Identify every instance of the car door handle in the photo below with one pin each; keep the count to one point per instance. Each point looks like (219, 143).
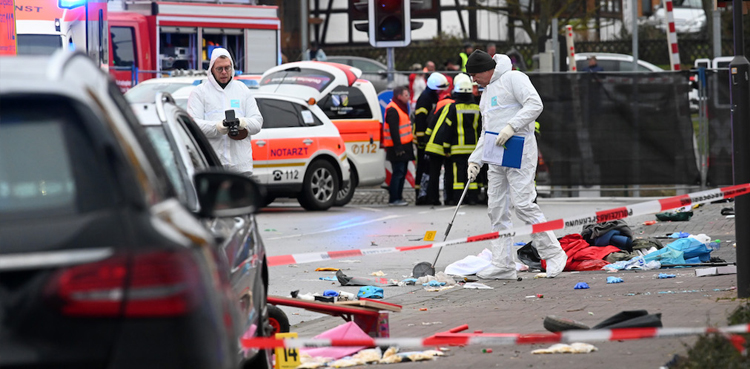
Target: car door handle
(308, 141)
(260, 143)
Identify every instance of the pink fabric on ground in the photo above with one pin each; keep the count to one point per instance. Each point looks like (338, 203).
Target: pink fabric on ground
(348, 330)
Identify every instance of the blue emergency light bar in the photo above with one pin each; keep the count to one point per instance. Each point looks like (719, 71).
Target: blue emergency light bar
(70, 4)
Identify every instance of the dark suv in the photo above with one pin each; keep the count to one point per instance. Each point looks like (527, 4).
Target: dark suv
(101, 266)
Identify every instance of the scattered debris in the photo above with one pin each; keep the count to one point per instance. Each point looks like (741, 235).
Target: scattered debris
(729, 269)
(611, 280)
(477, 285)
(581, 286)
(573, 348)
(540, 275)
(326, 269)
(379, 273)
(665, 276)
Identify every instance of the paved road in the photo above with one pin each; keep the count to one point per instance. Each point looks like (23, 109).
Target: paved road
(685, 301)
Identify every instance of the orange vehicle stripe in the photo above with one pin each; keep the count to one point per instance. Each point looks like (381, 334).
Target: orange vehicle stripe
(279, 165)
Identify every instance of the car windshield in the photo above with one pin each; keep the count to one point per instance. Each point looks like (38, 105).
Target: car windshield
(38, 44)
(313, 78)
(146, 92)
(159, 139)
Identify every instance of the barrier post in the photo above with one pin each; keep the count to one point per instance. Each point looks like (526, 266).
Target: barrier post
(739, 85)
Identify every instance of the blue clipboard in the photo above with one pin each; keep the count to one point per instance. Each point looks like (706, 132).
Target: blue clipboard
(508, 156)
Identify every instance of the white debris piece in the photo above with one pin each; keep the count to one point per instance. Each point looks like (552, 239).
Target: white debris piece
(573, 348)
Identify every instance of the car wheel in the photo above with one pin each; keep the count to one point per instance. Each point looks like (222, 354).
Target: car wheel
(278, 320)
(320, 186)
(346, 193)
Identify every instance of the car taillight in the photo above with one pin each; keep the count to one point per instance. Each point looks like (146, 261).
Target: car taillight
(144, 285)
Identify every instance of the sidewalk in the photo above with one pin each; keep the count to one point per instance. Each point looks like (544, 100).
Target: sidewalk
(512, 307)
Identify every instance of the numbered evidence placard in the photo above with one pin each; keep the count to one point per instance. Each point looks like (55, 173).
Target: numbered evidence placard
(286, 358)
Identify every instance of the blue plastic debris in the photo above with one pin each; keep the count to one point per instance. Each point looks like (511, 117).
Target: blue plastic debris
(679, 235)
(519, 244)
(330, 293)
(409, 281)
(370, 292)
(581, 286)
(664, 276)
(614, 280)
(328, 279)
(434, 283)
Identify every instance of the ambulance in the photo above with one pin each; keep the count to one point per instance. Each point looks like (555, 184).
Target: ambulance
(349, 102)
(154, 38)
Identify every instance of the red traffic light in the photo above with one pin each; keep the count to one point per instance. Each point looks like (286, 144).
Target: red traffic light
(389, 23)
(389, 6)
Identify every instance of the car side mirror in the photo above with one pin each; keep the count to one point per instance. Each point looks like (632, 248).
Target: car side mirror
(226, 194)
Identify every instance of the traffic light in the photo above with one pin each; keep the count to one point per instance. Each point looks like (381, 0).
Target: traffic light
(389, 23)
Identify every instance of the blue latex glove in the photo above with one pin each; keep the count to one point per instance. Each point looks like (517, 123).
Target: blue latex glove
(664, 276)
(679, 235)
(330, 293)
(614, 280)
(409, 281)
(434, 283)
(581, 286)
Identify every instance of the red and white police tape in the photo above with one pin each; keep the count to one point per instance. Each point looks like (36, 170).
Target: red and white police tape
(643, 208)
(496, 339)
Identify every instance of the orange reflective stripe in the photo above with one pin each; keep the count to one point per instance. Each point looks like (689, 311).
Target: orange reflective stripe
(442, 103)
(404, 127)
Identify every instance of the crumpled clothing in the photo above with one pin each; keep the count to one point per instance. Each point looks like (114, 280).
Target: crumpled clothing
(581, 255)
(637, 262)
(592, 231)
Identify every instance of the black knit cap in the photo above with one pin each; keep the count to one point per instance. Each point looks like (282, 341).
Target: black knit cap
(479, 61)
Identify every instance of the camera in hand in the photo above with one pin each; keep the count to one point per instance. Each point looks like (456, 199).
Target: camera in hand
(231, 122)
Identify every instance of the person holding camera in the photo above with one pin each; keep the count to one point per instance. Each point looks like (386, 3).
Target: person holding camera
(215, 103)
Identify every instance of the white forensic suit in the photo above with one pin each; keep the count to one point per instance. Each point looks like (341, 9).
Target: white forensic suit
(511, 99)
(206, 106)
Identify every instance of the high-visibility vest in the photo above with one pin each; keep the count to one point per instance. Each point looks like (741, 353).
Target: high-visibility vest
(404, 127)
(464, 59)
(467, 129)
(436, 143)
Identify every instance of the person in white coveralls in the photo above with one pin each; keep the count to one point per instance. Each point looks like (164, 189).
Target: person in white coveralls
(207, 105)
(509, 105)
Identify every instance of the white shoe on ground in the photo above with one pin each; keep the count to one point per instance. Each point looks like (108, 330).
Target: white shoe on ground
(494, 272)
(556, 264)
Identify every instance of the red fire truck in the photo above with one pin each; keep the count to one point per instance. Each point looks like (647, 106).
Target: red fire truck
(153, 38)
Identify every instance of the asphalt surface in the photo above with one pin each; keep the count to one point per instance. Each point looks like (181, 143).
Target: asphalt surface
(684, 301)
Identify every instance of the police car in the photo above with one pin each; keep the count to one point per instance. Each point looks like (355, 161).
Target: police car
(349, 102)
(299, 153)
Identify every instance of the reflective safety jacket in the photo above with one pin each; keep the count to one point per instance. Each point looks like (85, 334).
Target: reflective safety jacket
(404, 127)
(422, 112)
(460, 126)
(436, 130)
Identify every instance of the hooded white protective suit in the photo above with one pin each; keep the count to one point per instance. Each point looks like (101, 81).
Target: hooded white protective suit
(511, 99)
(206, 106)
